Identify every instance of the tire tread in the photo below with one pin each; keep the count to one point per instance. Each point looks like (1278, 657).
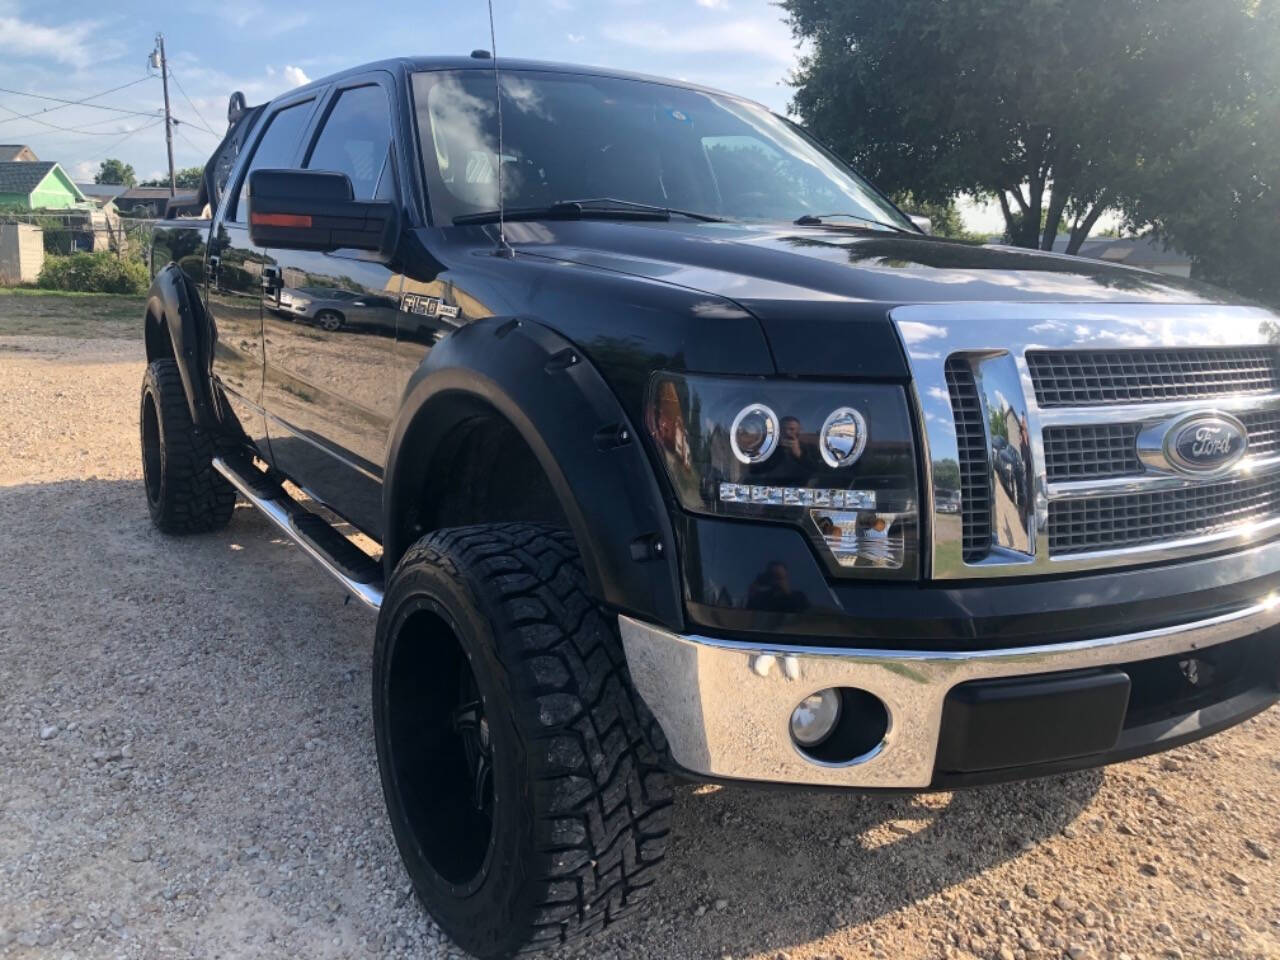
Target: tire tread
(603, 801)
(194, 497)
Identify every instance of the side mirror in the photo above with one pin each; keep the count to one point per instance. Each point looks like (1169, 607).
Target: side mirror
(923, 224)
(316, 210)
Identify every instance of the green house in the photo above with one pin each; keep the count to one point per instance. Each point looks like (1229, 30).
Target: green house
(39, 185)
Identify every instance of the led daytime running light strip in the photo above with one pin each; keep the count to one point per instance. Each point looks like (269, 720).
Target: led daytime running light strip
(797, 496)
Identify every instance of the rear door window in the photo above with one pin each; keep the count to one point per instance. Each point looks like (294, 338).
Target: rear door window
(356, 140)
(276, 149)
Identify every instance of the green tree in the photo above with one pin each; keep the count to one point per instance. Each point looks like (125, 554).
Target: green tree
(112, 170)
(1217, 197)
(944, 218)
(1057, 108)
(946, 474)
(187, 178)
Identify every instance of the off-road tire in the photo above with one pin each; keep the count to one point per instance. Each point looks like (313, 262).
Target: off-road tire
(581, 807)
(184, 493)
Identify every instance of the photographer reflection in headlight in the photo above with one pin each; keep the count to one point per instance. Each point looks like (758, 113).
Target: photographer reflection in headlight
(771, 591)
(789, 438)
(793, 457)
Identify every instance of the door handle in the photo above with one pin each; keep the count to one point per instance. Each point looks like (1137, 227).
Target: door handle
(271, 278)
(211, 270)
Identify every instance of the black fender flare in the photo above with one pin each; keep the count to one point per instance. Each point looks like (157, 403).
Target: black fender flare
(175, 301)
(561, 406)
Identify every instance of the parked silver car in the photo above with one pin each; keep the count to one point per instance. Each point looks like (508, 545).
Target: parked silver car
(331, 309)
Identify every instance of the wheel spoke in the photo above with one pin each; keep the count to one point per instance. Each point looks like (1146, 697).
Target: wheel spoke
(469, 723)
(466, 719)
(483, 776)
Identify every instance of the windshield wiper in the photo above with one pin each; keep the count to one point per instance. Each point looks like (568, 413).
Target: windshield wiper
(605, 207)
(812, 220)
(605, 203)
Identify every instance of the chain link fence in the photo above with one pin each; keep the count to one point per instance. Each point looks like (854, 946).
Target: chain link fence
(86, 231)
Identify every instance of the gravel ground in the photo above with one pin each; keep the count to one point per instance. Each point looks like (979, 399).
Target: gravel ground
(187, 766)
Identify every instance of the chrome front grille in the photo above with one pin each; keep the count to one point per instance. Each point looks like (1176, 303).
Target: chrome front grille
(975, 475)
(1072, 378)
(1091, 451)
(1136, 519)
(1099, 451)
(1264, 432)
(1065, 424)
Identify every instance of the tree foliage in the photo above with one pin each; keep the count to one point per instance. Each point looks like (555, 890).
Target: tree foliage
(187, 178)
(944, 218)
(1217, 197)
(1060, 109)
(116, 171)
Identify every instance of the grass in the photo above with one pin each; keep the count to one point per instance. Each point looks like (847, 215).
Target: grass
(27, 311)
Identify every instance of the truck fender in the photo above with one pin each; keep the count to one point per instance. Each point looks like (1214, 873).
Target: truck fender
(586, 445)
(174, 308)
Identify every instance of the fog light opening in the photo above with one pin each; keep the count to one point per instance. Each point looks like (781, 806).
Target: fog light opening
(815, 717)
(840, 726)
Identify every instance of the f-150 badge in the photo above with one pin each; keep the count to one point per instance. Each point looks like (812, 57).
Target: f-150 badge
(425, 306)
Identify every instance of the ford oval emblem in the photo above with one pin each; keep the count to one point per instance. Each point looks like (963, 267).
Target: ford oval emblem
(1206, 443)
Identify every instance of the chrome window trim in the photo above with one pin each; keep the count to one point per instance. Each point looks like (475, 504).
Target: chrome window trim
(1001, 333)
(725, 705)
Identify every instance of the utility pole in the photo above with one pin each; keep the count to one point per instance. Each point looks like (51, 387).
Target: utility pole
(158, 55)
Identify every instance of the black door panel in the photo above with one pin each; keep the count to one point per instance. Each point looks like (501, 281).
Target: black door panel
(234, 271)
(329, 325)
(236, 275)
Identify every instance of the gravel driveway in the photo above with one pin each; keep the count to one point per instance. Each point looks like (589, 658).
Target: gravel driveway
(187, 769)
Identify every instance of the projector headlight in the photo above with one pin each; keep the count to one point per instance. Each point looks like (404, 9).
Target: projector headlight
(754, 434)
(836, 459)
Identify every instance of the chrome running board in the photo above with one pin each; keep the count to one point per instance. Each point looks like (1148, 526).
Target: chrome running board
(359, 574)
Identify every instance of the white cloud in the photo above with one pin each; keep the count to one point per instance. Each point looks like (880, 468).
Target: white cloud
(714, 4)
(913, 331)
(66, 43)
(766, 38)
(265, 20)
(295, 76)
(575, 37)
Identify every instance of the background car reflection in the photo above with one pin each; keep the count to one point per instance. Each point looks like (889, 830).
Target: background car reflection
(331, 308)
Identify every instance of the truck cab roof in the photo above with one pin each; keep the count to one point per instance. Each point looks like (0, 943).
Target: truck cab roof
(415, 64)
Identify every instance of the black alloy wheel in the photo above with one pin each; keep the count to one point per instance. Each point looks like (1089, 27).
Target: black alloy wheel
(518, 763)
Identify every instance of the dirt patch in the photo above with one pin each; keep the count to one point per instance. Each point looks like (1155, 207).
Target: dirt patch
(71, 316)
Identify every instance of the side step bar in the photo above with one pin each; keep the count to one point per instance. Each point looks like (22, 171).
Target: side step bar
(359, 574)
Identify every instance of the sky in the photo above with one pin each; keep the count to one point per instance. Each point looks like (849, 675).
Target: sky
(76, 49)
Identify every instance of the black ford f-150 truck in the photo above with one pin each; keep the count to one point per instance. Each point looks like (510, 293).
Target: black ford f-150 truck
(688, 454)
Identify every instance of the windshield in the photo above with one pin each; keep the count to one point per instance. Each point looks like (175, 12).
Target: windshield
(577, 137)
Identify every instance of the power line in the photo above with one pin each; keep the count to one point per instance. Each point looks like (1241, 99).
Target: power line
(69, 103)
(145, 126)
(54, 126)
(189, 143)
(207, 125)
(77, 103)
(196, 127)
(91, 123)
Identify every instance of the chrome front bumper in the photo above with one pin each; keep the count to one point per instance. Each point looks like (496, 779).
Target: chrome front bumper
(725, 706)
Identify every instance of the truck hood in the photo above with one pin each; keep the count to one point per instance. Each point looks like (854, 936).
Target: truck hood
(760, 262)
(832, 286)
